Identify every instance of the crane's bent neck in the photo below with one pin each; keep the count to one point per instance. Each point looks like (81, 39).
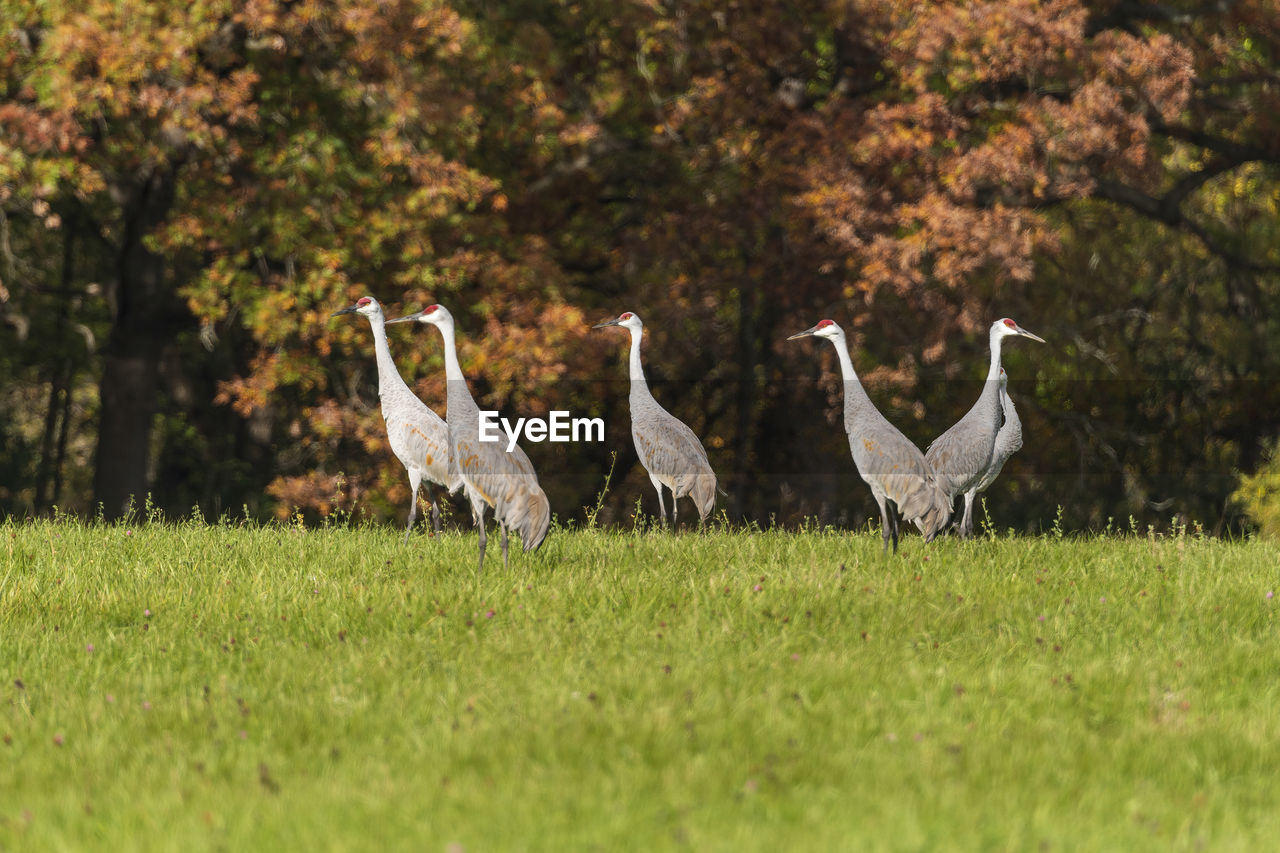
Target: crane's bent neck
(389, 379)
(637, 372)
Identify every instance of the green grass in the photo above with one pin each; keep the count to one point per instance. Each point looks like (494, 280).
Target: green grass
(336, 689)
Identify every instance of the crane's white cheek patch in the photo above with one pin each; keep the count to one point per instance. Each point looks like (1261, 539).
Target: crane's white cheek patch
(559, 427)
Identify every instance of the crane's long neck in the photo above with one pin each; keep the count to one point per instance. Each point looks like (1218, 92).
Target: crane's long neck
(993, 372)
(855, 396)
(462, 412)
(452, 370)
(637, 371)
(389, 379)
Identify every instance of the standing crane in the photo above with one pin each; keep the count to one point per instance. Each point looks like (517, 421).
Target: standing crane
(962, 455)
(886, 459)
(491, 476)
(419, 437)
(1008, 439)
(668, 449)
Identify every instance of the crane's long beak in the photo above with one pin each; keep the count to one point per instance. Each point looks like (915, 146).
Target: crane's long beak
(1027, 334)
(408, 318)
(350, 310)
(612, 322)
(806, 333)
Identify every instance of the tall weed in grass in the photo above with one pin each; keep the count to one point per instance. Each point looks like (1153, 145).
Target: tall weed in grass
(261, 687)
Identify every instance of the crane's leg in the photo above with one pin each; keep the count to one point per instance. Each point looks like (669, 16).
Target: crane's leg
(415, 480)
(893, 520)
(675, 510)
(506, 565)
(885, 525)
(662, 507)
(435, 510)
(477, 510)
(966, 524)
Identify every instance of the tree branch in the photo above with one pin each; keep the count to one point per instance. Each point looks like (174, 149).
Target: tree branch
(1237, 152)
(1167, 210)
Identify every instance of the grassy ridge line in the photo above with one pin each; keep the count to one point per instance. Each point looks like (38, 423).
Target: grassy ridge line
(338, 689)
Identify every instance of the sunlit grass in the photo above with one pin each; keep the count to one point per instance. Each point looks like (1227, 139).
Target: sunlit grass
(188, 687)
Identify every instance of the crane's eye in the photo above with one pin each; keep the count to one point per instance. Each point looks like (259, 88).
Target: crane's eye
(626, 316)
(1010, 323)
(363, 301)
(430, 309)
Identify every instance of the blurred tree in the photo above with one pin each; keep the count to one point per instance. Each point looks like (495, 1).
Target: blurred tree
(231, 173)
(241, 166)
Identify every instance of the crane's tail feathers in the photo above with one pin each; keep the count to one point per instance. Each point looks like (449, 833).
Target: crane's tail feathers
(934, 521)
(704, 495)
(522, 506)
(537, 521)
(925, 504)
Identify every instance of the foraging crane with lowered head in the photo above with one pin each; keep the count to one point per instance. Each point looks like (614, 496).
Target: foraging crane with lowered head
(961, 457)
(669, 451)
(887, 461)
(491, 476)
(419, 437)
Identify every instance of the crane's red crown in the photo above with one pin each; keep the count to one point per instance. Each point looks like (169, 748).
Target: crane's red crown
(626, 316)
(430, 309)
(824, 323)
(363, 301)
(1009, 323)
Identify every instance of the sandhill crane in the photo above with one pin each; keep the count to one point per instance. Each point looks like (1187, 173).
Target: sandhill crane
(667, 448)
(961, 456)
(419, 437)
(1008, 439)
(491, 476)
(886, 459)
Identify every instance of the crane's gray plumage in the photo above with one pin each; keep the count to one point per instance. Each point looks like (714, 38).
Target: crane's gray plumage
(888, 462)
(419, 437)
(962, 455)
(491, 476)
(667, 448)
(1008, 439)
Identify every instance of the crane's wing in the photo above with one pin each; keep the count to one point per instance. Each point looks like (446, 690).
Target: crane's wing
(508, 483)
(666, 445)
(887, 458)
(420, 439)
(960, 456)
(669, 450)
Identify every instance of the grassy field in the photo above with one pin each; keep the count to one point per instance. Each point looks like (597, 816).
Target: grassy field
(190, 687)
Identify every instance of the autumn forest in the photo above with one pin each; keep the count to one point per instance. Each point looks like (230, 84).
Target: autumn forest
(189, 191)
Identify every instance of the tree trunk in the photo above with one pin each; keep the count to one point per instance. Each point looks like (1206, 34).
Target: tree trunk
(142, 313)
